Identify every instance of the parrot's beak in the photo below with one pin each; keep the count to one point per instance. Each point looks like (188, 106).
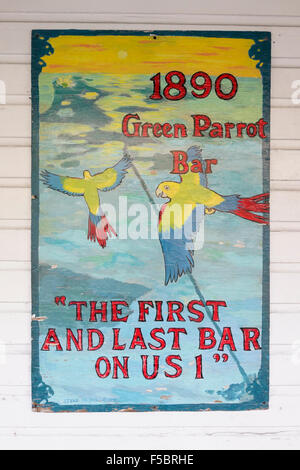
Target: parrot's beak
(160, 193)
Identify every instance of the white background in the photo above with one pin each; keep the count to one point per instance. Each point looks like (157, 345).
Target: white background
(276, 428)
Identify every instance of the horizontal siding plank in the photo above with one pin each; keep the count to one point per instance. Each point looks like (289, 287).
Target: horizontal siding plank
(18, 265)
(15, 247)
(16, 204)
(285, 164)
(276, 144)
(285, 247)
(271, 438)
(25, 224)
(15, 329)
(284, 367)
(15, 38)
(234, 7)
(285, 207)
(15, 287)
(285, 287)
(25, 308)
(15, 162)
(282, 79)
(18, 81)
(7, 182)
(15, 307)
(15, 121)
(13, 224)
(285, 123)
(16, 412)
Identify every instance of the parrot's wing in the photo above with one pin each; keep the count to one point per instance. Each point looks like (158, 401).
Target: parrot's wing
(177, 234)
(195, 153)
(111, 177)
(64, 184)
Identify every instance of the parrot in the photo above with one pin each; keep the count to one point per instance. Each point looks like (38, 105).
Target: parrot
(179, 218)
(98, 226)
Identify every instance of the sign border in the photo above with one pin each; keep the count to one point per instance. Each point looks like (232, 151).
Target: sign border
(41, 392)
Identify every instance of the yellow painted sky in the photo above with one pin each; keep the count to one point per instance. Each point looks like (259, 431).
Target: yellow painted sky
(145, 55)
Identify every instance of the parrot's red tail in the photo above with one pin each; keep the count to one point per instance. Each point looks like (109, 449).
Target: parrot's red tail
(248, 205)
(100, 229)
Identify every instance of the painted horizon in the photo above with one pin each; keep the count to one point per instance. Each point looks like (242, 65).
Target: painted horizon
(84, 83)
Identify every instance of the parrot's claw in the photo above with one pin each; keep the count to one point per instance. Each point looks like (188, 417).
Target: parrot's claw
(209, 211)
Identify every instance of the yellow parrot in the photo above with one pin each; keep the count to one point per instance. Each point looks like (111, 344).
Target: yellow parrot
(180, 217)
(98, 226)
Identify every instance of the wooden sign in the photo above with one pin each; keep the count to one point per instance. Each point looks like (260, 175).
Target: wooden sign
(150, 209)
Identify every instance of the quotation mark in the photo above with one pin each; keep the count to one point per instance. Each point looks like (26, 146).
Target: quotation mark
(217, 357)
(60, 300)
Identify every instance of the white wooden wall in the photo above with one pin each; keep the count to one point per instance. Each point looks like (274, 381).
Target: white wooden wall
(276, 428)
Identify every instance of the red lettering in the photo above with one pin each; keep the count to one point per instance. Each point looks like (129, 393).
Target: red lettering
(198, 313)
(199, 128)
(94, 311)
(176, 332)
(123, 367)
(176, 308)
(251, 335)
(209, 162)
(125, 123)
(239, 127)
(179, 159)
(78, 309)
(251, 130)
(161, 341)
(51, 340)
(166, 129)
(145, 367)
(204, 338)
(143, 310)
(181, 128)
(228, 126)
(115, 311)
(199, 374)
(216, 304)
(157, 129)
(177, 367)
(116, 344)
(107, 367)
(227, 339)
(77, 341)
(138, 339)
(216, 131)
(91, 345)
(261, 124)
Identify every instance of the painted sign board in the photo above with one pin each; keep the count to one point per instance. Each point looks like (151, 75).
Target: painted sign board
(150, 209)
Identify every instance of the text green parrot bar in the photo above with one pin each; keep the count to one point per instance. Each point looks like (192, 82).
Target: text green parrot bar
(150, 220)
